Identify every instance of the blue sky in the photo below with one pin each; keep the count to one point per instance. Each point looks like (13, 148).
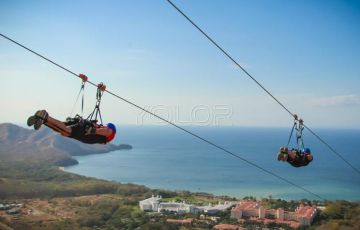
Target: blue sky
(307, 53)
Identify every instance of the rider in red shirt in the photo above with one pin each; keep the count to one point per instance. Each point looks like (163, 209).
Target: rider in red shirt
(78, 128)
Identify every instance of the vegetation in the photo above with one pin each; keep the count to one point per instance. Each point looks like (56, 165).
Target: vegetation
(279, 203)
(25, 180)
(339, 215)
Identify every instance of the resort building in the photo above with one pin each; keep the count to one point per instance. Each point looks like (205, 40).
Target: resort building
(151, 204)
(302, 216)
(174, 207)
(154, 204)
(209, 209)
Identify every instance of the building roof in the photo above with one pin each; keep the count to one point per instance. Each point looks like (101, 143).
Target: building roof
(306, 212)
(227, 227)
(180, 221)
(151, 200)
(246, 205)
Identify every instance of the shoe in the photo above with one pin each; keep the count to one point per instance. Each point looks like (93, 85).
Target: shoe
(38, 124)
(41, 117)
(284, 150)
(31, 120)
(42, 114)
(282, 156)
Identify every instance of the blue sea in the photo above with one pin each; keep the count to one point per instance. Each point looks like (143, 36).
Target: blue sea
(165, 157)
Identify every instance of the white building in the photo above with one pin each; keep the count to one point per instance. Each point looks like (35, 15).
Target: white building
(151, 204)
(175, 207)
(212, 209)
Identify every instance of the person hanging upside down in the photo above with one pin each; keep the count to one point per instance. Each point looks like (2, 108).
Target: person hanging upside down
(296, 158)
(77, 128)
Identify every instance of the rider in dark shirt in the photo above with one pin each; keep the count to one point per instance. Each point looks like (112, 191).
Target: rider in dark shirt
(296, 158)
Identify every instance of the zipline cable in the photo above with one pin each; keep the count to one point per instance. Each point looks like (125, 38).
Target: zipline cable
(67, 70)
(175, 125)
(331, 148)
(259, 84)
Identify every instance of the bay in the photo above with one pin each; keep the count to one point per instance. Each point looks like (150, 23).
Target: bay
(167, 158)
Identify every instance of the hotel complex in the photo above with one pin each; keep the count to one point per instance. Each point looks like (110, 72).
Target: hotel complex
(154, 204)
(302, 216)
(243, 211)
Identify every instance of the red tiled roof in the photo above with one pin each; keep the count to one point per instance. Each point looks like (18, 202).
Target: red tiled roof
(302, 211)
(305, 211)
(227, 227)
(182, 221)
(246, 205)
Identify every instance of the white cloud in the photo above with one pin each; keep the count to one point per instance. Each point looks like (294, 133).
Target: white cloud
(341, 100)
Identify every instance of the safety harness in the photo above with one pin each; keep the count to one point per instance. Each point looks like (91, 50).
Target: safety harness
(299, 127)
(92, 118)
(96, 112)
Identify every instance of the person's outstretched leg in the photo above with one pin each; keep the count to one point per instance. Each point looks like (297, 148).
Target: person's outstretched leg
(42, 117)
(282, 155)
(58, 126)
(37, 119)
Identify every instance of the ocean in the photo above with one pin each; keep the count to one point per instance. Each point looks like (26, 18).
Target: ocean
(167, 158)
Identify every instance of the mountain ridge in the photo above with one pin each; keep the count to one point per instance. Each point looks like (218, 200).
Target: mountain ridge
(18, 143)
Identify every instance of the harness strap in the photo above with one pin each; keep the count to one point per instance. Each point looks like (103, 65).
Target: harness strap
(299, 127)
(100, 90)
(82, 99)
(299, 140)
(291, 133)
(82, 90)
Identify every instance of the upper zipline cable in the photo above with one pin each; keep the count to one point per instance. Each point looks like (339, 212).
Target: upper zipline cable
(175, 125)
(260, 85)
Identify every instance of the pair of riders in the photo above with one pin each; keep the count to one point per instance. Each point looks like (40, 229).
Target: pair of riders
(296, 157)
(88, 131)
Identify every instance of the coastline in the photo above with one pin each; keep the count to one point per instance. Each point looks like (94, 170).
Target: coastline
(159, 168)
(71, 161)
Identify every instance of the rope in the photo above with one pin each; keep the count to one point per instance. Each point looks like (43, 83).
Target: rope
(258, 83)
(291, 133)
(231, 58)
(77, 99)
(181, 128)
(82, 98)
(67, 70)
(96, 110)
(332, 149)
(299, 139)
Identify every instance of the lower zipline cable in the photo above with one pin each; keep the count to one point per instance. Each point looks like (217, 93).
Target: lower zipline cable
(177, 126)
(259, 84)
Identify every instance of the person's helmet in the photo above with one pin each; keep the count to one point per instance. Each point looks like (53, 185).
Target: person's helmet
(307, 150)
(111, 126)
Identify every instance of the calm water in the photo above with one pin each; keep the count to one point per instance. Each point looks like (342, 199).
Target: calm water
(164, 157)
